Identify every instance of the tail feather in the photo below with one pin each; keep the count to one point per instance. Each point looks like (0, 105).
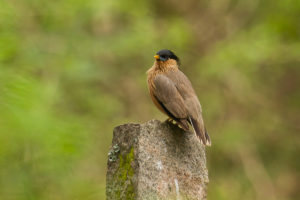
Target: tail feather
(203, 136)
(208, 141)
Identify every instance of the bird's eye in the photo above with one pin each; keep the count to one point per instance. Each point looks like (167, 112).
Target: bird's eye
(163, 57)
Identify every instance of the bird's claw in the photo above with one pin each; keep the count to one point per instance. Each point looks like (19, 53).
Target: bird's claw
(170, 120)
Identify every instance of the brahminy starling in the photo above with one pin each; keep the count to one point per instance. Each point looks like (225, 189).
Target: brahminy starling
(173, 94)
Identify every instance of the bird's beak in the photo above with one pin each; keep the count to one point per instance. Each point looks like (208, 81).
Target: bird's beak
(156, 57)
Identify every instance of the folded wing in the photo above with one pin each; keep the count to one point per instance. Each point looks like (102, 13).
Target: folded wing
(183, 100)
(170, 99)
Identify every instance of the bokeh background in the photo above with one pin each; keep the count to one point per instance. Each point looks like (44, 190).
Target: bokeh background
(72, 70)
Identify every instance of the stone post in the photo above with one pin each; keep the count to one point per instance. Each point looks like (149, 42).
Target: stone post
(155, 160)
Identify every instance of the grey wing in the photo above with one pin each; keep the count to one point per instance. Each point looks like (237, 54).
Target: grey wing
(192, 104)
(186, 91)
(168, 95)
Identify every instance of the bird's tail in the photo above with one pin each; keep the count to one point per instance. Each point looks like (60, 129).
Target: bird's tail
(201, 134)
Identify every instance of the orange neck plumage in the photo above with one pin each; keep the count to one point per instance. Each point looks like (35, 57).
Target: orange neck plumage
(163, 66)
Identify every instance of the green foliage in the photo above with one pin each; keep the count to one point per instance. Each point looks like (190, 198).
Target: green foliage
(72, 70)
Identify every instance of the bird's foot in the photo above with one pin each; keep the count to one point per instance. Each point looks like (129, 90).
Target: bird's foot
(170, 120)
(179, 126)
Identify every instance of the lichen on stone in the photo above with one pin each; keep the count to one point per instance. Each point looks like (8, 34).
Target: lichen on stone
(112, 155)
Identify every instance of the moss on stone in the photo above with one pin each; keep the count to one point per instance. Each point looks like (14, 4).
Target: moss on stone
(124, 176)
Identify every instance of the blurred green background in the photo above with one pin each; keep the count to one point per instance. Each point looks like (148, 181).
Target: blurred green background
(72, 70)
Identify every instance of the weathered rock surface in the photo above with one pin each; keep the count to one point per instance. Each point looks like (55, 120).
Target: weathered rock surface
(155, 160)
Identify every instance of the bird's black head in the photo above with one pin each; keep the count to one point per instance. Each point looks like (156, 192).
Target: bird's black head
(165, 54)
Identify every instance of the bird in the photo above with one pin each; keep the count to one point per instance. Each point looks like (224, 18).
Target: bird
(173, 94)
